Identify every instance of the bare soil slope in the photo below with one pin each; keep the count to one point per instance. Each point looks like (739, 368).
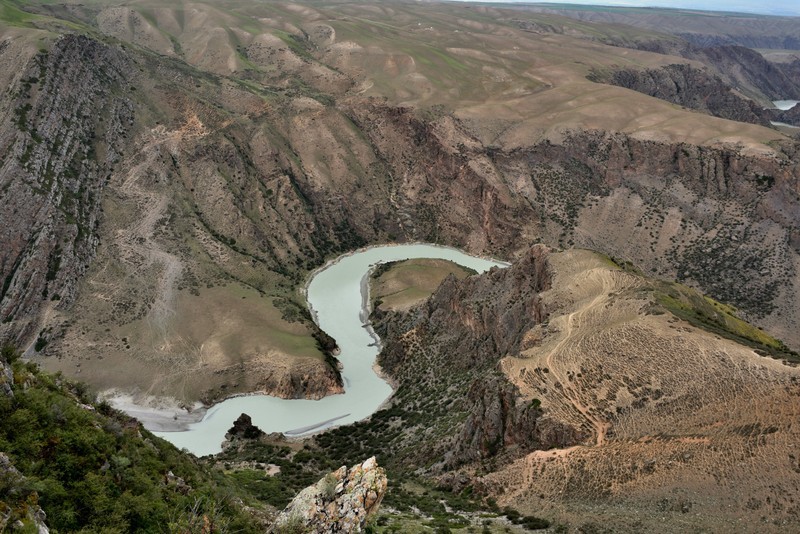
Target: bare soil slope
(684, 425)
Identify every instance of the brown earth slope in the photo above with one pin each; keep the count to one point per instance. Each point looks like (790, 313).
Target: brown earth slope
(611, 411)
(682, 422)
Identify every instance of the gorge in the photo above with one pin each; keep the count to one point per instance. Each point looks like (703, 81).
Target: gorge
(178, 180)
(338, 298)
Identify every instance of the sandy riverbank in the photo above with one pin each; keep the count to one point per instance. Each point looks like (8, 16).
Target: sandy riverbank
(160, 414)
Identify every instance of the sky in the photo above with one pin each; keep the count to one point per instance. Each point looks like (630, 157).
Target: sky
(767, 7)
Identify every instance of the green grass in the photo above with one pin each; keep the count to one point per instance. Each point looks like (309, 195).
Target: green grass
(708, 314)
(718, 318)
(11, 13)
(94, 469)
(405, 283)
(295, 44)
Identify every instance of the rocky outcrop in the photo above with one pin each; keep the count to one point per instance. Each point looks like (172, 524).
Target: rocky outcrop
(472, 320)
(243, 428)
(454, 343)
(737, 66)
(342, 501)
(596, 189)
(19, 508)
(498, 419)
(789, 116)
(687, 86)
(6, 378)
(61, 135)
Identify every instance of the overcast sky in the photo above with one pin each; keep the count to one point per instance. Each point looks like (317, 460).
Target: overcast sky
(769, 7)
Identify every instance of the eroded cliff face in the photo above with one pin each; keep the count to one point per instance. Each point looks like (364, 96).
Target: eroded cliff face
(598, 381)
(790, 116)
(710, 216)
(298, 378)
(61, 135)
(688, 86)
(647, 388)
(221, 192)
(448, 349)
(738, 67)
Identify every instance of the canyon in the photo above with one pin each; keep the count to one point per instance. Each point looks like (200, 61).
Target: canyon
(172, 173)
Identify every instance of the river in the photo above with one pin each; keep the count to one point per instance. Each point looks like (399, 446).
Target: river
(783, 105)
(336, 296)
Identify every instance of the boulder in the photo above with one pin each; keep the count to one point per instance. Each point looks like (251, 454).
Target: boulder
(341, 501)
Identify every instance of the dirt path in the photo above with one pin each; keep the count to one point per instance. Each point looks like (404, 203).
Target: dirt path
(604, 283)
(137, 244)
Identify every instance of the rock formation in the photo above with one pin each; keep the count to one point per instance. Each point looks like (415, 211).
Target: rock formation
(688, 86)
(342, 501)
(19, 508)
(585, 388)
(452, 344)
(64, 134)
(244, 428)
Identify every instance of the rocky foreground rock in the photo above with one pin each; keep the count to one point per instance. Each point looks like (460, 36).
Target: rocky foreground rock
(342, 501)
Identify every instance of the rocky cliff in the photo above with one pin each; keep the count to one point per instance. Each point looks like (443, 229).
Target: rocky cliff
(688, 86)
(342, 501)
(447, 350)
(6, 374)
(62, 133)
(741, 68)
(599, 381)
(706, 215)
(789, 116)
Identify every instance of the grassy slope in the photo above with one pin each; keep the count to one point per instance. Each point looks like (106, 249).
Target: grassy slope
(718, 318)
(400, 285)
(711, 315)
(93, 469)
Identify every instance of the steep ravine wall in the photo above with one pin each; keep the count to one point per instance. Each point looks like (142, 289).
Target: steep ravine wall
(709, 216)
(61, 132)
(712, 216)
(687, 86)
(447, 351)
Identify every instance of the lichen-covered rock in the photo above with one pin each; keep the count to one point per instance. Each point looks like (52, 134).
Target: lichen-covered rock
(6, 379)
(19, 508)
(340, 502)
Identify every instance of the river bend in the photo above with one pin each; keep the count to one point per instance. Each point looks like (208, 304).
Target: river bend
(336, 296)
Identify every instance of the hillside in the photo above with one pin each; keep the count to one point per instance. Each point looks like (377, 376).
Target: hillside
(92, 469)
(236, 151)
(171, 173)
(590, 402)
